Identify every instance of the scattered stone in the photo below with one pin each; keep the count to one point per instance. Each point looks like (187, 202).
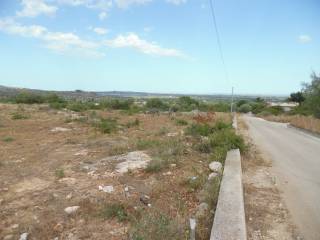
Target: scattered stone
(216, 167)
(60, 129)
(193, 178)
(167, 173)
(69, 196)
(202, 210)
(172, 134)
(212, 176)
(173, 165)
(1, 201)
(14, 226)
(71, 210)
(24, 236)
(145, 199)
(131, 161)
(107, 189)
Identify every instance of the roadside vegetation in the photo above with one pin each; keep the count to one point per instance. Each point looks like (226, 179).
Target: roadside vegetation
(305, 115)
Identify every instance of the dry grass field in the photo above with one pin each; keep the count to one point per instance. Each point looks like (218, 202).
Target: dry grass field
(304, 122)
(52, 160)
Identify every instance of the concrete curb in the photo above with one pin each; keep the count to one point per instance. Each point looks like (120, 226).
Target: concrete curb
(229, 221)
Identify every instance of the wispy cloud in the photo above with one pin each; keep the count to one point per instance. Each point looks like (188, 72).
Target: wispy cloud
(127, 3)
(95, 4)
(102, 15)
(304, 39)
(33, 8)
(177, 2)
(133, 41)
(62, 42)
(100, 31)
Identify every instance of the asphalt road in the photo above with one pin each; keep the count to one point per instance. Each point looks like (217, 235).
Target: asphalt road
(295, 159)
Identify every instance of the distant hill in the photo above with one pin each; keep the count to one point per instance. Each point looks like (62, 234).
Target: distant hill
(83, 95)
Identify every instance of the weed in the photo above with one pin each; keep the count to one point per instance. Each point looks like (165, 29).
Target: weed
(181, 122)
(106, 125)
(59, 173)
(143, 144)
(204, 147)
(8, 139)
(18, 116)
(134, 123)
(115, 210)
(163, 131)
(156, 165)
(155, 226)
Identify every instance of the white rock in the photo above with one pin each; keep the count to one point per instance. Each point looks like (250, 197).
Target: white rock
(172, 134)
(8, 237)
(216, 167)
(60, 129)
(69, 196)
(107, 189)
(71, 210)
(68, 180)
(132, 161)
(212, 176)
(24, 236)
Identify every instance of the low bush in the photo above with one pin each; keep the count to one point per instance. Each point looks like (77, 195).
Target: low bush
(134, 123)
(18, 116)
(8, 139)
(181, 122)
(143, 144)
(59, 173)
(153, 225)
(106, 125)
(245, 108)
(114, 210)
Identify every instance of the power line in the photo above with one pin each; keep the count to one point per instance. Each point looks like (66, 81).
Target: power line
(218, 38)
(220, 47)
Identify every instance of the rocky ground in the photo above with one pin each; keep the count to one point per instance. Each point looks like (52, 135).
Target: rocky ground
(61, 178)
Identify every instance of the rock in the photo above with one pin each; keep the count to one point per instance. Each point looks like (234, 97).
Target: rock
(172, 134)
(145, 200)
(8, 237)
(14, 226)
(83, 152)
(69, 196)
(59, 129)
(202, 210)
(216, 167)
(173, 165)
(71, 210)
(212, 176)
(167, 173)
(1, 201)
(24, 236)
(131, 161)
(107, 189)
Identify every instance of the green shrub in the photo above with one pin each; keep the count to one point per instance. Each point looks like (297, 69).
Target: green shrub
(143, 144)
(8, 139)
(77, 106)
(106, 125)
(227, 138)
(59, 173)
(115, 210)
(156, 165)
(245, 108)
(18, 116)
(197, 129)
(156, 103)
(134, 123)
(57, 105)
(153, 225)
(181, 122)
(29, 98)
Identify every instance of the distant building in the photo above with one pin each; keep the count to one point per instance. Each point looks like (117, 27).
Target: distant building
(286, 106)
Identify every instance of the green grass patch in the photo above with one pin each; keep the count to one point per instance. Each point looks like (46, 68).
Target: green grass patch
(181, 122)
(115, 210)
(19, 116)
(59, 173)
(8, 139)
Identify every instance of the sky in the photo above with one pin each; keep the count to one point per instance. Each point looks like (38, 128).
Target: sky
(163, 46)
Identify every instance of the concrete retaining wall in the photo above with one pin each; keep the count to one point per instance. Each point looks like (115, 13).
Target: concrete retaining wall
(229, 221)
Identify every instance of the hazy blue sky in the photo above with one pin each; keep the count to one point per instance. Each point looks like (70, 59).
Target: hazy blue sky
(270, 46)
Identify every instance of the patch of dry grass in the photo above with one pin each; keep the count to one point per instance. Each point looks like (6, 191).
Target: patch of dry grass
(305, 122)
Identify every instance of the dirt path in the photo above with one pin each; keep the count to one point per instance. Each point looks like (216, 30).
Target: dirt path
(266, 214)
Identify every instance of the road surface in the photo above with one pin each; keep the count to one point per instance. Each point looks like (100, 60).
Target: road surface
(295, 157)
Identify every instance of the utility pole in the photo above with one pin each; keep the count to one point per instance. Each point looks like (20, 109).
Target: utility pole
(232, 101)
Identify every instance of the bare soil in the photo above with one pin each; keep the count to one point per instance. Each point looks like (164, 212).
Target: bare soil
(43, 171)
